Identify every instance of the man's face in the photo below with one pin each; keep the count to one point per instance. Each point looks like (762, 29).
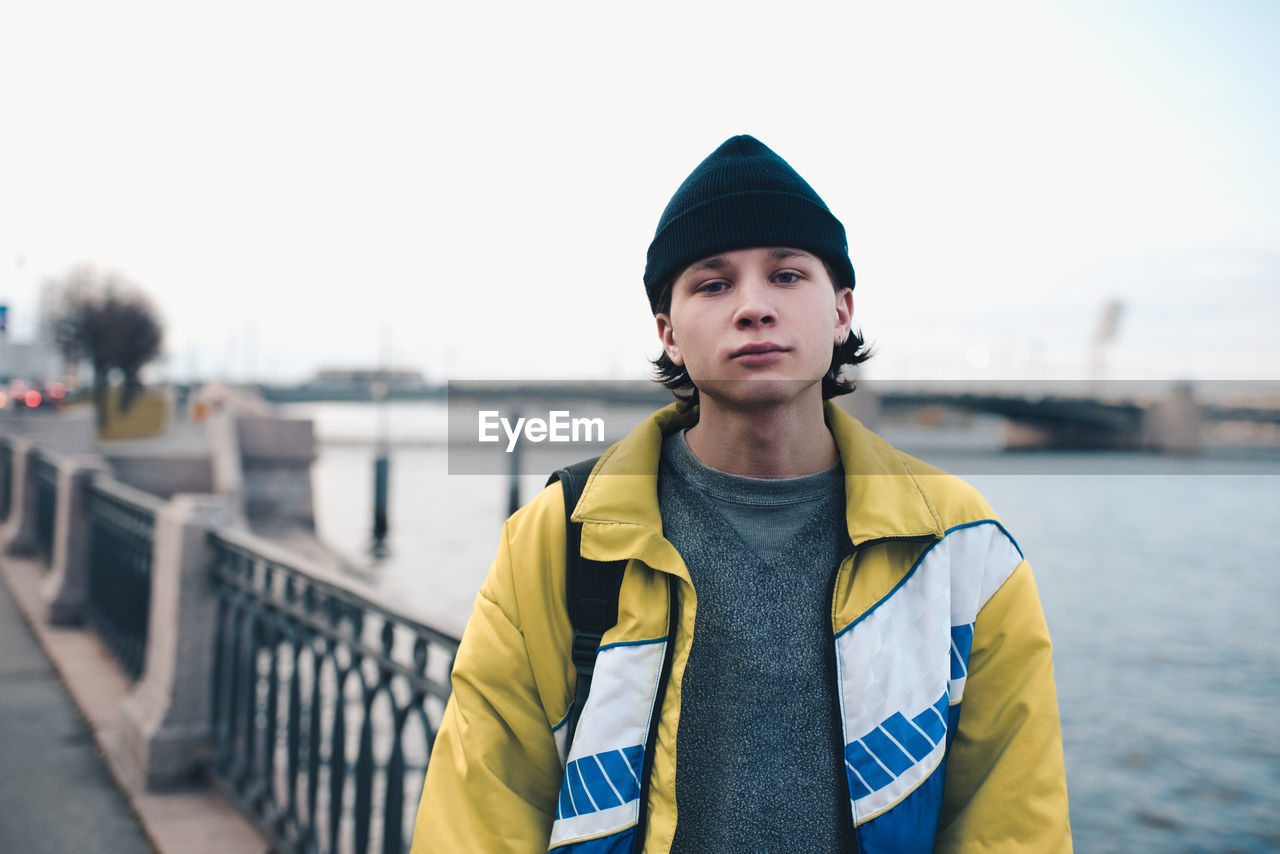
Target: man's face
(755, 327)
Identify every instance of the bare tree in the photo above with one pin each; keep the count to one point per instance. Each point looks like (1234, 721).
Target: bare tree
(106, 320)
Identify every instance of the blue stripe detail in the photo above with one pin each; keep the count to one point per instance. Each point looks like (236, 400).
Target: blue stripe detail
(890, 755)
(618, 843)
(856, 789)
(910, 827)
(942, 707)
(564, 807)
(865, 764)
(598, 787)
(581, 802)
(933, 726)
(898, 746)
(635, 755)
(618, 770)
(908, 736)
(920, 560)
(585, 787)
(601, 649)
(961, 643)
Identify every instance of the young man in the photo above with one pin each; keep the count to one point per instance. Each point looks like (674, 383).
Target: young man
(822, 644)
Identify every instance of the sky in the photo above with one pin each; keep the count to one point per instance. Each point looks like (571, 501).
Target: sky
(469, 189)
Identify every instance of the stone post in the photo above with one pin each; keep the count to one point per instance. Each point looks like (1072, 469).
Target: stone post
(275, 463)
(166, 718)
(19, 532)
(224, 459)
(68, 582)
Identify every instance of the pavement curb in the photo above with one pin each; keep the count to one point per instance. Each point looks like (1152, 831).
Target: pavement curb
(190, 821)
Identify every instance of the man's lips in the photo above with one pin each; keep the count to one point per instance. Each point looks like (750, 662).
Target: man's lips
(760, 347)
(758, 353)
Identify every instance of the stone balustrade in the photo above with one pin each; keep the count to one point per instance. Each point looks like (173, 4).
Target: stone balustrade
(244, 660)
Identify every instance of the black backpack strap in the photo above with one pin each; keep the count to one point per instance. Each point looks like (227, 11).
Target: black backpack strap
(591, 589)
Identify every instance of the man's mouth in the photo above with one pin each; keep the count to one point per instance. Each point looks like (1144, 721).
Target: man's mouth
(759, 354)
(757, 349)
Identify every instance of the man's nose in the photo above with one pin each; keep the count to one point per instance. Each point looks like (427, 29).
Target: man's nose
(755, 305)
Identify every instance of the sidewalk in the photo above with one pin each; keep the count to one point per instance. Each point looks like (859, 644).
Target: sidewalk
(64, 784)
(55, 792)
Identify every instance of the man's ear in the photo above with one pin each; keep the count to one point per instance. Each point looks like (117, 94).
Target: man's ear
(844, 314)
(667, 335)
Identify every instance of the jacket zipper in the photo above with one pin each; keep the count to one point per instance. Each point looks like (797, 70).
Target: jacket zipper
(651, 739)
(849, 549)
(842, 788)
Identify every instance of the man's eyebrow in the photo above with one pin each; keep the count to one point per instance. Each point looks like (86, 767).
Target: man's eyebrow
(713, 263)
(780, 252)
(777, 253)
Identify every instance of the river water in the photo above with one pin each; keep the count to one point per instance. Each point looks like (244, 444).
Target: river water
(1160, 583)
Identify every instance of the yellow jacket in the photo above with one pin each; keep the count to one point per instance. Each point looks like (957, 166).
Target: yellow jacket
(933, 611)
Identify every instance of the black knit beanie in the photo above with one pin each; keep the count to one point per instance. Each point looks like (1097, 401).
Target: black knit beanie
(742, 196)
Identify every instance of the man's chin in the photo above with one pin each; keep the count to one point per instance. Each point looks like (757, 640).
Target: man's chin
(755, 393)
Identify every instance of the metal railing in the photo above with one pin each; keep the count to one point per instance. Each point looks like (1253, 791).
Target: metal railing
(6, 478)
(325, 705)
(44, 480)
(122, 523)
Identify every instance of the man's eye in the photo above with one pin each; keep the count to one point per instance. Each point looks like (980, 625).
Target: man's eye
(712, 287)
(786, 277)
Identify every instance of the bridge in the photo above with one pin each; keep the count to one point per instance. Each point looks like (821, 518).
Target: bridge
(1163, 420)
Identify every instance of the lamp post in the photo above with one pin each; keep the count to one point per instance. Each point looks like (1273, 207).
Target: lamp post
(381, 471)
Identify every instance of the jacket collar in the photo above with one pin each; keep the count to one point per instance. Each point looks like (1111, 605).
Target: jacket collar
(882, 497)
(619, 505)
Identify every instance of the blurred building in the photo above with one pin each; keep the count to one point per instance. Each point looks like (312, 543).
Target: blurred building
(33, 361)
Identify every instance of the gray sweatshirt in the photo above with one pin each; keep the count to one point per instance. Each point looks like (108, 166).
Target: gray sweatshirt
(758, 767)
